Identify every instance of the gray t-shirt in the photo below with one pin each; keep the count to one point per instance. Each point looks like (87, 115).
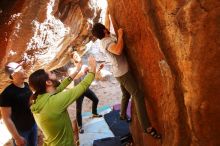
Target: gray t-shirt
(119, 62)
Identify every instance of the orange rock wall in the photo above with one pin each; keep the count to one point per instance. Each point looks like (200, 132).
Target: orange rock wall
(173, 50)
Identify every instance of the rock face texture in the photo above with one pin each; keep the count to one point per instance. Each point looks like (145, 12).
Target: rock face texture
(173, 49)
(40, 32)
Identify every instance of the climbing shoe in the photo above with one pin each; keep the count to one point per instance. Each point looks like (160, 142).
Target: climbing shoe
(96, 116)
(125, 118)
(153, 132)
(81, 130)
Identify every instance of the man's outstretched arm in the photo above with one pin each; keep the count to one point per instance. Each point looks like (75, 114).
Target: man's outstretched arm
(107, 20)
(117, 48)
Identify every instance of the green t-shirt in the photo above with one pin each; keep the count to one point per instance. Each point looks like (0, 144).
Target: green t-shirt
(50, 112)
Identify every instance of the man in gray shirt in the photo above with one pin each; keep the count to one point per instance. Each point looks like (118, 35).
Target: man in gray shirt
(113, 48)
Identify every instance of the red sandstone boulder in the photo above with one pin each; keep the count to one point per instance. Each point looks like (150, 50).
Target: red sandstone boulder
(173, 49)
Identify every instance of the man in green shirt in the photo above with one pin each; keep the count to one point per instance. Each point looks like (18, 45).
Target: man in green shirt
(50, 104)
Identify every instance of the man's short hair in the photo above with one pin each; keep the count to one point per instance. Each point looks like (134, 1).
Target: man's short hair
(98, 30)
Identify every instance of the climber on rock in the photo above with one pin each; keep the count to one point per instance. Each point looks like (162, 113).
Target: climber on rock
(113, 48)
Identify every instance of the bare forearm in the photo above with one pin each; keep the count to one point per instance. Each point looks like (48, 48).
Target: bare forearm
(120, 45)
(79, 75)
(11, 128)
(74, 74)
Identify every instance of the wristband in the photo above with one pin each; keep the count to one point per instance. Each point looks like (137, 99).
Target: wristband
(69, 78)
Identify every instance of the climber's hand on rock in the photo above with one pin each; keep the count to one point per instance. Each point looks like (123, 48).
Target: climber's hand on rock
(120, 32)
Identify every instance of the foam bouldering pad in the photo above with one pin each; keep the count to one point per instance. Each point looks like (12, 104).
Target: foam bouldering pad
(120, 128)
(109, 141)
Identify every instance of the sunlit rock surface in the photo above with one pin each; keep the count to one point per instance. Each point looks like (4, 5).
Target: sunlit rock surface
(173, 49)
(40, 32)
